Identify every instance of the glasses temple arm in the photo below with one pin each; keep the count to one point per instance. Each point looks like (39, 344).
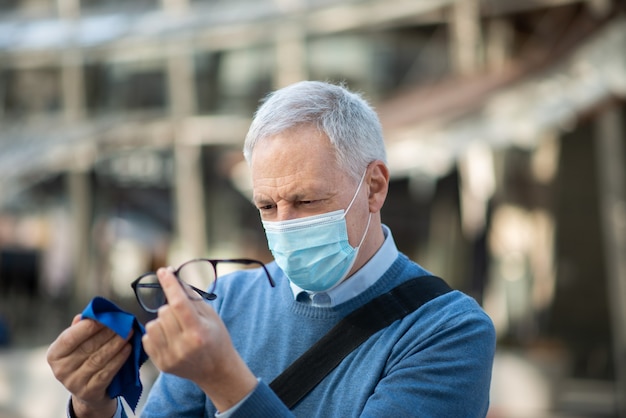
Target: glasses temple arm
(269, 277)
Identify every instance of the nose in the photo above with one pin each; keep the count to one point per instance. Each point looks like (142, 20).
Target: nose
(286, 212)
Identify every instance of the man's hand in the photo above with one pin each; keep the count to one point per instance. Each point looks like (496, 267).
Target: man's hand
(85, 358)
(188, 339)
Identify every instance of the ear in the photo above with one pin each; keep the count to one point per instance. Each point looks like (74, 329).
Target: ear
(378, 183)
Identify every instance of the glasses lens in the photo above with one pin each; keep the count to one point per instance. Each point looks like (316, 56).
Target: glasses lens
(199, 274)
(150, 292)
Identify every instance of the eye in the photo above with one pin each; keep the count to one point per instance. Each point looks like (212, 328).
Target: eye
(263, 205)
(265, 208)
(314, 204)
(307, 202)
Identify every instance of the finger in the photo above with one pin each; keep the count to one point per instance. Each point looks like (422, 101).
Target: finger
(106, 365)
(97, 373)
(168, 321)
(92, 357)
(181, 306)
(99, 339)
(99, 358)
(70, 339)
(116, 363)
(154, 336)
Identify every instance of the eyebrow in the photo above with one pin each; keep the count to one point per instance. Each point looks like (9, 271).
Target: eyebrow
(314, 191)
(261, 201)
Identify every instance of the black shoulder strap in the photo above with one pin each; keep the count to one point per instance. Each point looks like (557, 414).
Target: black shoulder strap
(326, 354)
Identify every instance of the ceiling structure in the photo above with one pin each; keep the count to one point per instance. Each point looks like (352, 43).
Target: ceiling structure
(427, 127)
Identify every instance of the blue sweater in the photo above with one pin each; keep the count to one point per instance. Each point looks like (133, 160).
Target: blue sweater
(436, 362)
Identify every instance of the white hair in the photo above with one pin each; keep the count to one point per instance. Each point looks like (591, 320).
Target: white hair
(343, 116)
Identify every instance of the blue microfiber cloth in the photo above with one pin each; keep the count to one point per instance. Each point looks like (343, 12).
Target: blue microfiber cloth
(126, 382)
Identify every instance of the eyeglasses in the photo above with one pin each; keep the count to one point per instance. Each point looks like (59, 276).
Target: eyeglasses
(193, 275)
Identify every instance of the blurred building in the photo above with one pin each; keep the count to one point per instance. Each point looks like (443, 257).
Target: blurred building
(122, 124)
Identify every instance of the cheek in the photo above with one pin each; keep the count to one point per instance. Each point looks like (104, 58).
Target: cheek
(356, 220)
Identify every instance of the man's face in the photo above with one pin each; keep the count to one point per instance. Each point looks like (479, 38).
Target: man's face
(295, 174)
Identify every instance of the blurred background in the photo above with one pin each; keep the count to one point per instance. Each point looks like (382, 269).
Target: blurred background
(122, 123)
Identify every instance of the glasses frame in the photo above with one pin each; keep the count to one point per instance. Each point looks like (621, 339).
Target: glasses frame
(210, 295)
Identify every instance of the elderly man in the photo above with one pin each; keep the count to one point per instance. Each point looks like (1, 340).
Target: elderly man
(320, 179)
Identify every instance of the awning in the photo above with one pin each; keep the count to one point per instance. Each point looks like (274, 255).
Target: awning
(428, 130)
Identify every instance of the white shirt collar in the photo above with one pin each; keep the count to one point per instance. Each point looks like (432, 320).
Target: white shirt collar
(359, 281)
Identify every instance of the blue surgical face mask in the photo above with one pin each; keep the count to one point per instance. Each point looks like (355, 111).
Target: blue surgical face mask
(314, 252)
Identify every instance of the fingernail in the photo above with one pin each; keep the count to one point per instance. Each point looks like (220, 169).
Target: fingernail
(168, 269)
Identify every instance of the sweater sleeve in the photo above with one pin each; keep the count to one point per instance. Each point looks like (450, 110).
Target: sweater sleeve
(447, 376)
(261, 403)
(173, 396)
(119, 412)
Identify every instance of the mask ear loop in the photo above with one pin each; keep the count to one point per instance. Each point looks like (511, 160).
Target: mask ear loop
(355, 193)
(367, 227)
(369, 219)
(356, 250)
